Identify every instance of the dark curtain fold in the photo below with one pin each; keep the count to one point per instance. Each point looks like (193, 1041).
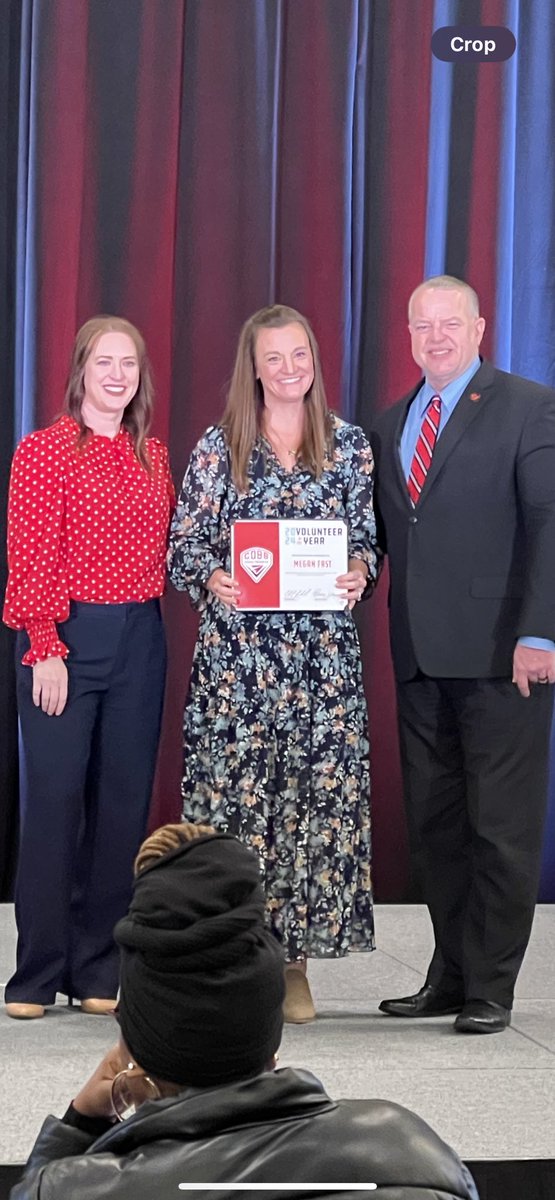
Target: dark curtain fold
(391, 241)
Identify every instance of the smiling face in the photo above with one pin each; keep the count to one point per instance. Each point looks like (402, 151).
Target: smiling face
(284, 363)
(112, 373)
(445, 333)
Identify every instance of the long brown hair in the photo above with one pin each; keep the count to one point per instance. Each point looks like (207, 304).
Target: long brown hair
(242, 418)
(137, 415)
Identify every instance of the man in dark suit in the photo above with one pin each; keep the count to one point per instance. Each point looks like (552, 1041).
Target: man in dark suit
(465, 497)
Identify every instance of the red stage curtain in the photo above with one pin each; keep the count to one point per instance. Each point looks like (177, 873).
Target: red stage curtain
(192, 160)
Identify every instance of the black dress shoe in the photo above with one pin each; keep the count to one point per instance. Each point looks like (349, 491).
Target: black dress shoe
(483, 1016)
(428, 1002)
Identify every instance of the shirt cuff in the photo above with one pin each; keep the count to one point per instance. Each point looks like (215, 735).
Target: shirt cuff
(536, 643)
(45, 642)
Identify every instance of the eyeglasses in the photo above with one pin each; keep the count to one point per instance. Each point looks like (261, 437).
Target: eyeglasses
(131, 1088)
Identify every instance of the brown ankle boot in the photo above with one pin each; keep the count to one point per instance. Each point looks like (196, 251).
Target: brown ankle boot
(298, 1006)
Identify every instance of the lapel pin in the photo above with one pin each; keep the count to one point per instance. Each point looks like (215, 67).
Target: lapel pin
(475, 396)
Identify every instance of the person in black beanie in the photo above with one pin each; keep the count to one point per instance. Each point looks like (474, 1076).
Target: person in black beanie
(194, 948)
(200, 1015)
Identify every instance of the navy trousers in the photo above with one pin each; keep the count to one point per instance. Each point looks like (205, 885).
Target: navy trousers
(86, 788)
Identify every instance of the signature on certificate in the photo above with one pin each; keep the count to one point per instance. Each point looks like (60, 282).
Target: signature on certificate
(312, 593)
(297, 593)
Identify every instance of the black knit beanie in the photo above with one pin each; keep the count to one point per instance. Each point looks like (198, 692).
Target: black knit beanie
(202, 979)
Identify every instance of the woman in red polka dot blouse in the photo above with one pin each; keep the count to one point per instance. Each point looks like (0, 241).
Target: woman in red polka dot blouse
(90, 503)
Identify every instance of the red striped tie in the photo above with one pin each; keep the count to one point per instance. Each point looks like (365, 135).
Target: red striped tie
(424, 449)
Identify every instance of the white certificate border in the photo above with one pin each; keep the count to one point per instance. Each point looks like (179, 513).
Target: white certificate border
(287, 521)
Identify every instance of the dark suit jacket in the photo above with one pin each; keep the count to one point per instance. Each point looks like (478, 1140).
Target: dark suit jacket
(472, 568)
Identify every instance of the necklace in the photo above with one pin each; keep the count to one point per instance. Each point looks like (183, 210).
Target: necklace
(272, 434)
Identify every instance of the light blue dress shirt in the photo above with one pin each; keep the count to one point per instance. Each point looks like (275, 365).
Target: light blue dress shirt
(450, 396)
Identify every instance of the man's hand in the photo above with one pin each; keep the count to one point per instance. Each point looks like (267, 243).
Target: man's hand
(95, 1097)
(532, 666)
(50, 686)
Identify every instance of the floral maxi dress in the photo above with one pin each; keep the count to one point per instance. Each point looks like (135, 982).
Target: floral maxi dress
(275, 725)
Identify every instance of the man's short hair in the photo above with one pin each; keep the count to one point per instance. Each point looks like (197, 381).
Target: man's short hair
(450, 284)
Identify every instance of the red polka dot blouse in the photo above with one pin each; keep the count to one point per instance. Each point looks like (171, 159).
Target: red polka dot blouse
(85, 523)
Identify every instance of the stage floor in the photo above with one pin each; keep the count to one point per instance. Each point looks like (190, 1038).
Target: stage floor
(490, 1097)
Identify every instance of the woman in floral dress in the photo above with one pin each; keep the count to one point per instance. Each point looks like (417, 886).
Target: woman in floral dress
(275, 725)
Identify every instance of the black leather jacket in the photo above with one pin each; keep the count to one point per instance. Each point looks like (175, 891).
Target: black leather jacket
(280, 1127)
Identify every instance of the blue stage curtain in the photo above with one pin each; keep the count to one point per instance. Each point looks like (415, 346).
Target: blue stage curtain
(527, 246)
(11, 69)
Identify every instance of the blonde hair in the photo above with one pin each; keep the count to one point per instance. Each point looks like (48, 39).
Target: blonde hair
(242, 418)
(449, 283)
(165, 839)
(137, 415)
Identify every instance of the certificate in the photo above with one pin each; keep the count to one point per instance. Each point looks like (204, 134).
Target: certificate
(289, 564)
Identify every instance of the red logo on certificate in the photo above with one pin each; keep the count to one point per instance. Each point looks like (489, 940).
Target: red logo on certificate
(256, 561)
